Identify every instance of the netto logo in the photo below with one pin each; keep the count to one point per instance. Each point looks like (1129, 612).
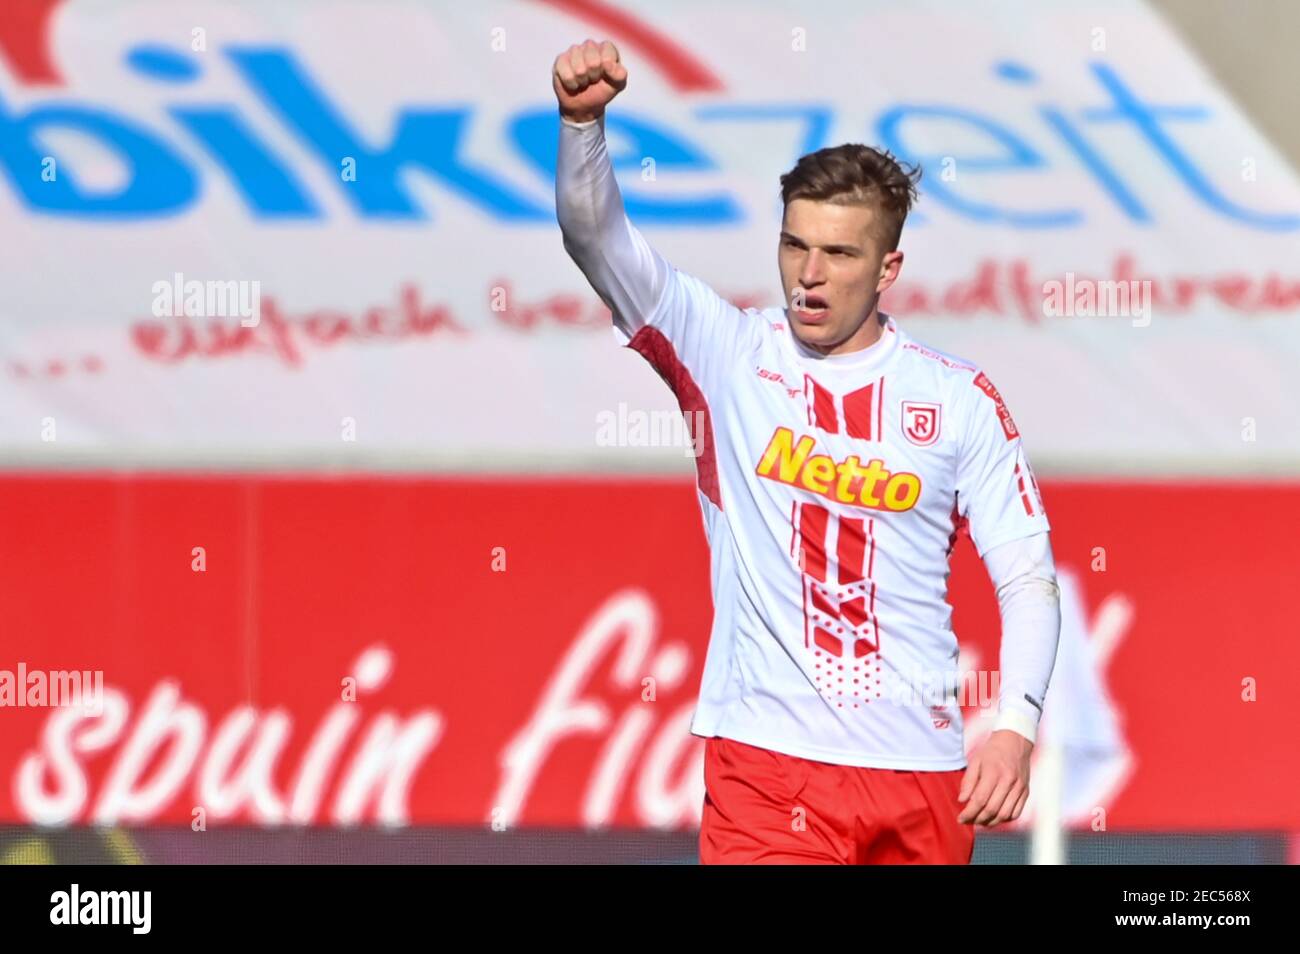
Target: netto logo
(848, 481)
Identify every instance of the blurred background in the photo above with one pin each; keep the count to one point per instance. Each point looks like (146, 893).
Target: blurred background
(323, 477)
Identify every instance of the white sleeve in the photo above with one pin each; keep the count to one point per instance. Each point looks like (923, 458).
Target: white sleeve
(628, 275)
(996, 489)
(696, 327)
(1029, 601)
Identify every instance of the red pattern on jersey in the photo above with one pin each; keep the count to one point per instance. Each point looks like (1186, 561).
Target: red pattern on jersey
(959, 525)
(846, 603)
(652, 345)
(1024, 493)
(840, 613)
(821, 410)
(857, 411)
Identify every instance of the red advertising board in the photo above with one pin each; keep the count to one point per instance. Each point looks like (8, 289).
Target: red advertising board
(337, 650)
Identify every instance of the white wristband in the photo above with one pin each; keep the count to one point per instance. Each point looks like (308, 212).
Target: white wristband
(1017, 722)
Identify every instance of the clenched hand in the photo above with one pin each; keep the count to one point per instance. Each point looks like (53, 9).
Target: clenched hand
(586, 77)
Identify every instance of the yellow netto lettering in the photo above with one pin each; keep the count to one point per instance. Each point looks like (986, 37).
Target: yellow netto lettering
(781, 448)
(791, 461)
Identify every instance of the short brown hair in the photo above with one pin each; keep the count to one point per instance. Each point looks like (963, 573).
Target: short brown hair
(854, 174)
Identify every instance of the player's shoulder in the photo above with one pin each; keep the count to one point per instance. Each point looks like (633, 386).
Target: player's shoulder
(957, 381)
(771, 319)
(759, 326)
(758, 323)
(965, 386)
(718, 316)
(949, 369)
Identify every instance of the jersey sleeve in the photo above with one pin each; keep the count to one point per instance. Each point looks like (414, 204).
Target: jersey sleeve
(996, 489)
(1029, 602)
(675, 320)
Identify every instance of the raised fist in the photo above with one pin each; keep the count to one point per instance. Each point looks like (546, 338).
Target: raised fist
(586, 77)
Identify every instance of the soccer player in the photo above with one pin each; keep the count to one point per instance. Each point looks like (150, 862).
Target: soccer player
(839, 460)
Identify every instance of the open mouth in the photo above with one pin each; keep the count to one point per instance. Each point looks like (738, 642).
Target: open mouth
(814, 307)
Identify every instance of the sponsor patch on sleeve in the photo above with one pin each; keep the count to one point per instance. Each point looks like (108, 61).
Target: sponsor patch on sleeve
(1008, 425)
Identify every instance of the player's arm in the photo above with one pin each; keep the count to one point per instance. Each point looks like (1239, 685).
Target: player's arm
(998, 495)
(996, 785)
(640, 287)
(1029, 602)
(620, 265)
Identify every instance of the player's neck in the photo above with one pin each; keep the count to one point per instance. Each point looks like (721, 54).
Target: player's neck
(868, 334)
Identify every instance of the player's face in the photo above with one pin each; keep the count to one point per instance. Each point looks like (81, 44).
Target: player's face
(833, 268)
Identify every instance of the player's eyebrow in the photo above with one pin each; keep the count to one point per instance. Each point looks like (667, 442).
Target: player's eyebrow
(829, 248)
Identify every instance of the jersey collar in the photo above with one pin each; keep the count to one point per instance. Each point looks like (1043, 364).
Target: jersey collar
(868, 359)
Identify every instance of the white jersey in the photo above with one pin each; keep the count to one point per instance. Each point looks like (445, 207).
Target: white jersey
(833, 490)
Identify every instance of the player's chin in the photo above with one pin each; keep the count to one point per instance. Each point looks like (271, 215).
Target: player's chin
(819, 333)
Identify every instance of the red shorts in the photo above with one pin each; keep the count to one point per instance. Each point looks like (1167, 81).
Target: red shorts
(764, 807)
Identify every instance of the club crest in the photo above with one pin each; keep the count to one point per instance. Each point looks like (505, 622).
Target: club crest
(921, 422)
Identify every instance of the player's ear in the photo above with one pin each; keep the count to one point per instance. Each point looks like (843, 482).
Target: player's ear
(890, 266)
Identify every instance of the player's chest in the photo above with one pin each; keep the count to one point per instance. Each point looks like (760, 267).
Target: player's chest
(876, 440)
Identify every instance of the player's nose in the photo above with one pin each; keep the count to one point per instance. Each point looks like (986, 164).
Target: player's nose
(813, 271)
